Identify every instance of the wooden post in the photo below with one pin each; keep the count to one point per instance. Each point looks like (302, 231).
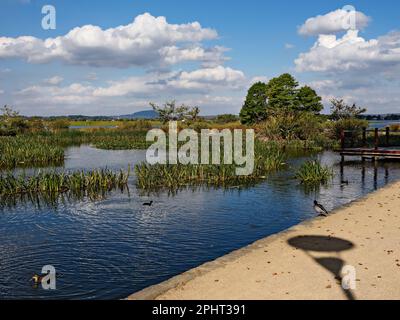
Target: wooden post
(364, 138)
(342, 139)
(376, 138)
(387, 136)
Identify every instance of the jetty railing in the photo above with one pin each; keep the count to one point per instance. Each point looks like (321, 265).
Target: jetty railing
(369, 138)
(370, 143)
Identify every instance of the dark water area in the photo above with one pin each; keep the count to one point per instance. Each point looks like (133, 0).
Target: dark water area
(113, 247)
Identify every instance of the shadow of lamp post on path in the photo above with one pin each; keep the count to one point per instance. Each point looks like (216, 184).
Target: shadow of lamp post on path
(324, 244)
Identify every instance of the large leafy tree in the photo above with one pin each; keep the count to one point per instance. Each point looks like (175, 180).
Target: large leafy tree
(279, 94)
(309, 100)
(255, 106)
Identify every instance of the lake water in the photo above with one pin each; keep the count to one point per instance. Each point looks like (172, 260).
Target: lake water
(382, 124)
(111, 248)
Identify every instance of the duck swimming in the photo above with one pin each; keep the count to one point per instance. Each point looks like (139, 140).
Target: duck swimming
(37, 279)
(320, 209)
(148, 204)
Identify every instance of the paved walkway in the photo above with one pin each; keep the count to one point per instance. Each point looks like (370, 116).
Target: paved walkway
(306, 262)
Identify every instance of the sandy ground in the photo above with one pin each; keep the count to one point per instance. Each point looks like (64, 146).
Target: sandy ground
(306, 262)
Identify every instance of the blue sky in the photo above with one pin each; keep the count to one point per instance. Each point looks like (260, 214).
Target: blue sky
(211, 66)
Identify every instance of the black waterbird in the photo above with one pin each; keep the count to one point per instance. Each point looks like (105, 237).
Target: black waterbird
(148, 204)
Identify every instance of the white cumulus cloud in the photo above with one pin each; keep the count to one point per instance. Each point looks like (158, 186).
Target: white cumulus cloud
(360, 70)
(351, 52)
(148, 42)
(333, 22)
(148, 86)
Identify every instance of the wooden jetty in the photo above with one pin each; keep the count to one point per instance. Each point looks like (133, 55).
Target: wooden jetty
(378, 151)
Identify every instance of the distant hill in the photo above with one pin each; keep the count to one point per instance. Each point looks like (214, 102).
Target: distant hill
(147, 114)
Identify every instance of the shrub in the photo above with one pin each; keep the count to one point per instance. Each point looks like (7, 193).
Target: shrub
(36, 125)
(351, 124)
(292, 126)
(395, 127)
(59, 124)
(226, 118)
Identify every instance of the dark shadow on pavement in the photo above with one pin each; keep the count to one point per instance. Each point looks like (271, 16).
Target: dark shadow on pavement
(325, 244)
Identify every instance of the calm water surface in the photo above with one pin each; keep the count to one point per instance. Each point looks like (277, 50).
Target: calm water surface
(113, 247)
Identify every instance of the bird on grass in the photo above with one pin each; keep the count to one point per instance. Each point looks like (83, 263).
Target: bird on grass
(320, 209)
(148, 204)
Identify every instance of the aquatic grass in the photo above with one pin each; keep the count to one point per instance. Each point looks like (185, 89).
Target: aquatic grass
(17, 151)
(136, 140)
(159, 176)
(53, 183)
(47, 148)
(313, 172)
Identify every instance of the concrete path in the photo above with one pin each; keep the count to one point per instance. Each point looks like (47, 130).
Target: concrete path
(306, 262)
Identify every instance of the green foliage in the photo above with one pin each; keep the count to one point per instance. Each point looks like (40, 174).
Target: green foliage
(140, 124)
(345, 118)
(226, 118)
(150, 177)
(340, 110)
(255, 107)
(291, 126)
(56, 183)
(280, 93)
(122, 141)
(59, 124)
(23, 151)
(193, 113)
(171, 112)
(11, 123)
(352, 125)
(36, 125)
(309, 100)
(313, 172)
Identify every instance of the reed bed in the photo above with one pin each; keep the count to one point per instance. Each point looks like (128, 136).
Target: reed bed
(47, 148)
(313, 172)
(25, 151)
(54, 183)
(158, 176)
(121, 142)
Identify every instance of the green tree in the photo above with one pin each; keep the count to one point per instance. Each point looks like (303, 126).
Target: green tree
(193, 113)
(171, 112)
(279, 94)
(255, 107)
(309, 100)
(341, 110)
(282, 93)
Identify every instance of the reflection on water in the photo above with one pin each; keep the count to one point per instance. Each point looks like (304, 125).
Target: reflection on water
(115, 246)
